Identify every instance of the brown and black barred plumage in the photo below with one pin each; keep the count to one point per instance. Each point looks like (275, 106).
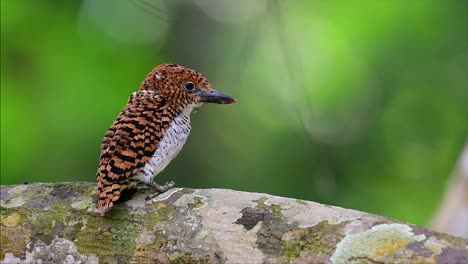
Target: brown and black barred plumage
(151, 130)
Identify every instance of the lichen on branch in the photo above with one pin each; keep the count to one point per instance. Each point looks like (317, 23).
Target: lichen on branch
(58, 222)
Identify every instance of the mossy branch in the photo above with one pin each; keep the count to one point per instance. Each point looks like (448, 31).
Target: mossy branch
(58, 223)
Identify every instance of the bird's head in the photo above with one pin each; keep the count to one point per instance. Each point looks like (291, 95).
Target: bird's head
(181, 85)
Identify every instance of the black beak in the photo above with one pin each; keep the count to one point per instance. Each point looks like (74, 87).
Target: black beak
(214, 96)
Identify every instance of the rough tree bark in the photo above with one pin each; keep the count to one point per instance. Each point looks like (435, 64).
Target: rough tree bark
(57, 223)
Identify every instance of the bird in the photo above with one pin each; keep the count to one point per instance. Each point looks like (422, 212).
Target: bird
(151, 130)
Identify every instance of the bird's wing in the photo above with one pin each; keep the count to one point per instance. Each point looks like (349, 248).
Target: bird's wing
(130, 143)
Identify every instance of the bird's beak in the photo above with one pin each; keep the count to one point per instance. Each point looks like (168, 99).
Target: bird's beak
(214, 96)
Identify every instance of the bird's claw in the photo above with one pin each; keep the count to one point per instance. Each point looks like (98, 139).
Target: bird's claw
(159, 188)
(169, 185)
(151, 196)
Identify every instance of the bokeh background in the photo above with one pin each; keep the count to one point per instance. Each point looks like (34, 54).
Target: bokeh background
(360, 104)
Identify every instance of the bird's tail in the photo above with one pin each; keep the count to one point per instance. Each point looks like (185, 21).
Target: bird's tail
(107, 195)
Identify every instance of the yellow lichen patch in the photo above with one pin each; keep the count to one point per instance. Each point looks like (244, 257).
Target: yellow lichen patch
(160, 205)
(13, 239)
(381, 243)
(391, 245)
(11, 220)
(422, 259)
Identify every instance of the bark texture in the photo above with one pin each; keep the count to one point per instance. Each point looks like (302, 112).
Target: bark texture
(58, 223)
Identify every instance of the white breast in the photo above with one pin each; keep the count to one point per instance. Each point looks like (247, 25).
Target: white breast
(170, 145)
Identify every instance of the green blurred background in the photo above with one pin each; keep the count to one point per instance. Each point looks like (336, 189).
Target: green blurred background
(360, 104)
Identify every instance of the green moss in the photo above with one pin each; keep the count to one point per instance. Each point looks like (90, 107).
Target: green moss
(161, 212)
(301, 202)
(319, 239)
(186, 258)
(175, 256)
(123, 232)
(5, 212)
(261, 202)
(111, 235)
(291, 250)
(277, 210)
(152, 251)
(49, 221)
(198, 202)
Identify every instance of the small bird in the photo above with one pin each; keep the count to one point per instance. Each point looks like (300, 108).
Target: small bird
(151, 130)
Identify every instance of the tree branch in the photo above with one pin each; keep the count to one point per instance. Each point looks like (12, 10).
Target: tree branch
(58, 223)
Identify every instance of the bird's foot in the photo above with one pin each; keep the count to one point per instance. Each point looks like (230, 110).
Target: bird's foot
(159, 188)
(142, 187)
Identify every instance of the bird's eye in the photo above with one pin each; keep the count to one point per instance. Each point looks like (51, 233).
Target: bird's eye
(190, 86)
